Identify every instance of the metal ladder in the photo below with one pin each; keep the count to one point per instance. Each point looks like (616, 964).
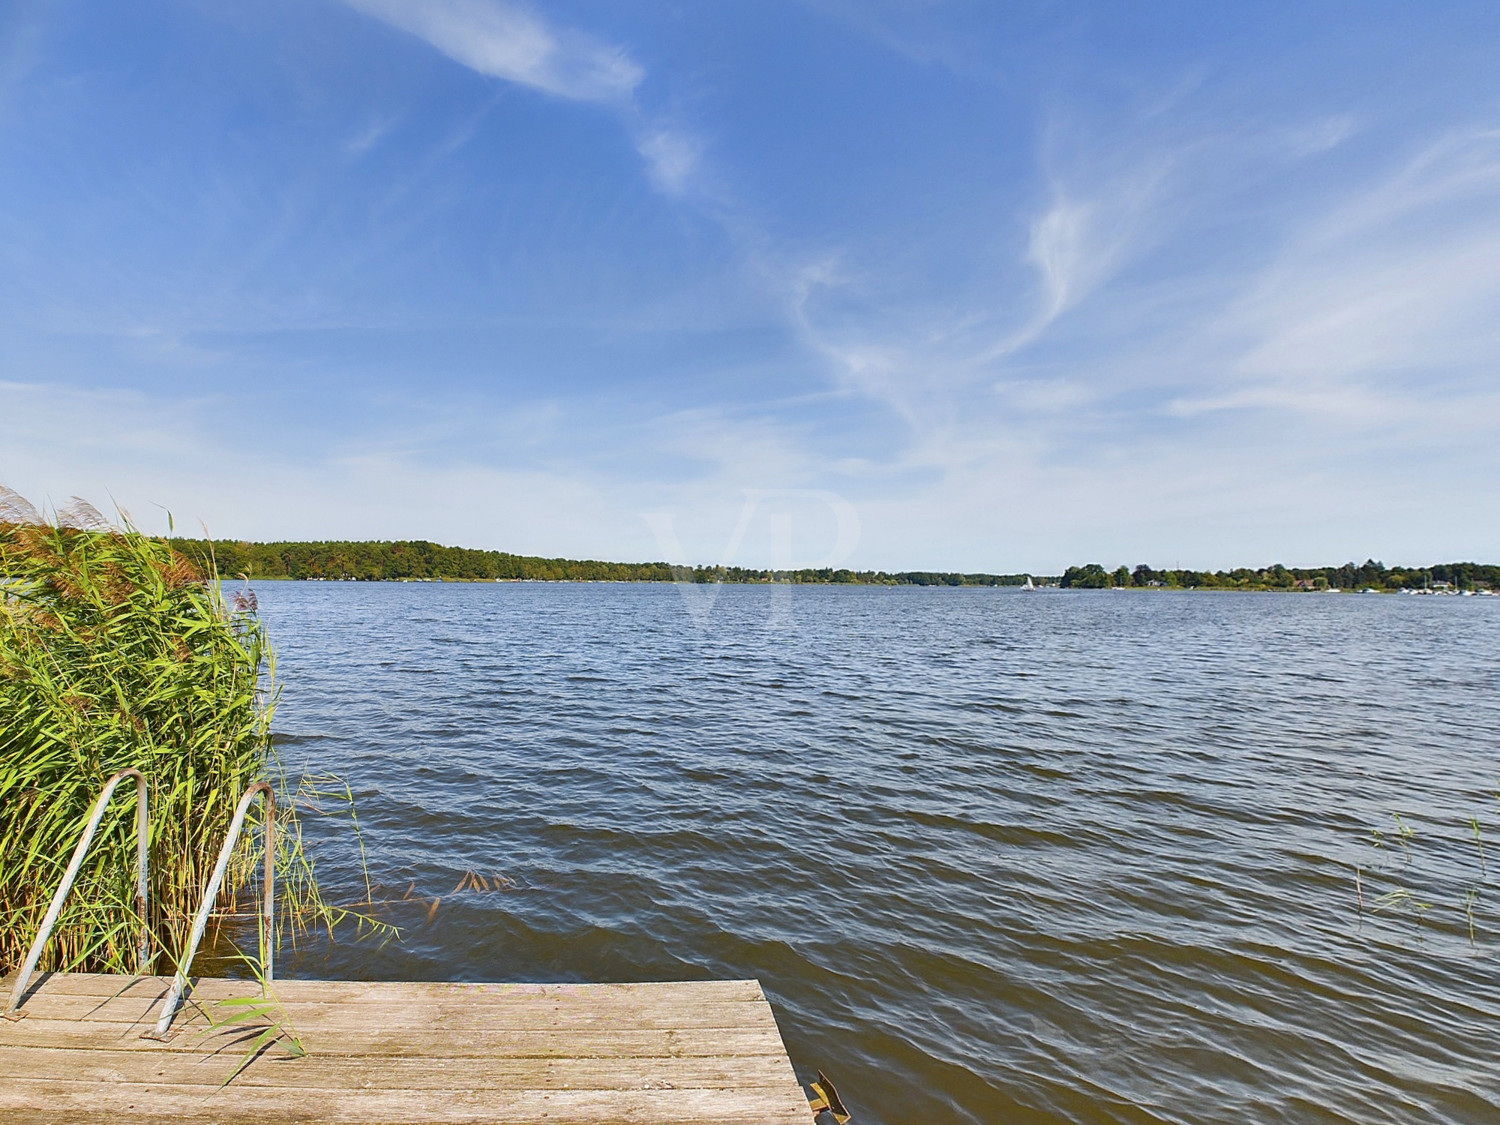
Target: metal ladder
(211, 894)
(141, 885)
(205, 907)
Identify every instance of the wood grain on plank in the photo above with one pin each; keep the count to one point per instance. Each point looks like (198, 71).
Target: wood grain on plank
(336, 1107)
(498, 1017)
(419, 1014)
(104, 984)
(362, 1071)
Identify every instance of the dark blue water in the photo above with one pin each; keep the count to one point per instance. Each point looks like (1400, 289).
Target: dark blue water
(1052, 857)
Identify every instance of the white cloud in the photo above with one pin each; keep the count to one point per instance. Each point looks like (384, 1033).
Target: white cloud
(1385, 298)
(1090, 228)
(937, 368)
(1057, 249)
(505, 41)
(508, 42)
(1462, 167)
(671, 158)
(368, 137)
(1318, 136)
(1371, 312)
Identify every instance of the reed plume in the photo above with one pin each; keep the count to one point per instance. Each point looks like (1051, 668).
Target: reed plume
(116, 651)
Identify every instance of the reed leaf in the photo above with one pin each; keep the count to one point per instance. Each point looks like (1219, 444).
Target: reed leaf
(116, 651)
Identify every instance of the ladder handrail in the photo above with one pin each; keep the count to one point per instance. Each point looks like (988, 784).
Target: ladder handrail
(211, 894)
(141, 884)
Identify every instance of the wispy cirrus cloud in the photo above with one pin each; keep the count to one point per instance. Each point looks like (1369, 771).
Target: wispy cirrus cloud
(1351, 315)
(509, 42)
(1075, 245)
(671, 157)
(1380, 302)
(929, 366)
(506, 41)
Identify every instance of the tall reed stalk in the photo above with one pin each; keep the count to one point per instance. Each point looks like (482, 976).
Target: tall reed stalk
(117, 651)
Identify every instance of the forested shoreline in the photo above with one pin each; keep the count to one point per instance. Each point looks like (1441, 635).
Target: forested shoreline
(419, 560)
(1369, 575)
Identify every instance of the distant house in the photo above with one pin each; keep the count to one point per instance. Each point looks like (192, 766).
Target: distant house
(1305, 584)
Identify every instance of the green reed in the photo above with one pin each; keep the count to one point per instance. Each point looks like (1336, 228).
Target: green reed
(116, 651)
(1404, 897)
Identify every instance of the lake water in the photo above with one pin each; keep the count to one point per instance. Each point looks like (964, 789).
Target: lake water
(996, 857)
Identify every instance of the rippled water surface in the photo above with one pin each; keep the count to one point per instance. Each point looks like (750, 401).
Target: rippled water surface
(996, 857)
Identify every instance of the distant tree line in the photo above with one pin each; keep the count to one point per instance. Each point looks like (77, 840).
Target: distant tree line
(412, 560)
(828, 575)
(1369, 575)
(418, 560)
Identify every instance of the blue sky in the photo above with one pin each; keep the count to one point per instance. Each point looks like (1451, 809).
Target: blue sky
(911, 284)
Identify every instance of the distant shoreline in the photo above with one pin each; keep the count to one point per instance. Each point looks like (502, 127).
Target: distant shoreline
(423, 561)
(1011, 587)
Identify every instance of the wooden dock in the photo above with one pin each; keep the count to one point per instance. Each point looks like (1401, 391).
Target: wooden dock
(382, 1053)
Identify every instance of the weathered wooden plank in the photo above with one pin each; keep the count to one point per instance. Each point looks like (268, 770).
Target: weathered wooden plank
(652, 992)
(356, 1072)
(23, 1099)
(387, 1053)
(398, 1014)
(541, 1043)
